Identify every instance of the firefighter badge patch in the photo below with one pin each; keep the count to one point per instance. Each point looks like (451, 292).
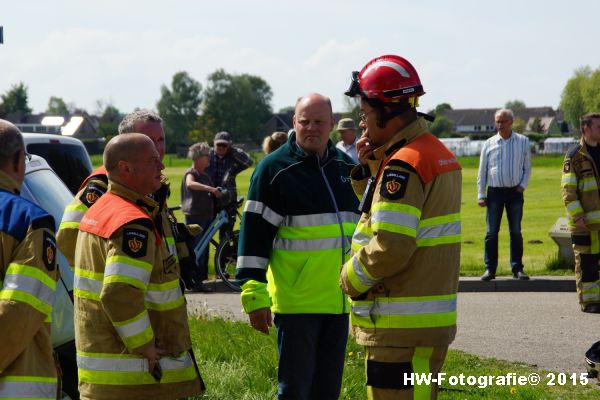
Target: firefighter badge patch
(567, 167)
(393, 184)
(91, 194)
(49, 251)
(135, 242)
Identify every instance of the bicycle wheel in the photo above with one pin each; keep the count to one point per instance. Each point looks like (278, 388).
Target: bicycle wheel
(226, 259)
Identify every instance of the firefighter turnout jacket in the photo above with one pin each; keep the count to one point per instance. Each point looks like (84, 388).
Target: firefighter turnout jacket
(403, 275)
(127, 297)
(296, 230)
(27, 286)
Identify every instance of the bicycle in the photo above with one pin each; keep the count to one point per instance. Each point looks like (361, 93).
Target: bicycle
(225, 251)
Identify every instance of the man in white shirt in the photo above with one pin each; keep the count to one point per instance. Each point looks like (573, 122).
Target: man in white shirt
(504, 169)
(347, 130)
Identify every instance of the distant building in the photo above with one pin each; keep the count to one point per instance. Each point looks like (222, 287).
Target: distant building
(79, 125)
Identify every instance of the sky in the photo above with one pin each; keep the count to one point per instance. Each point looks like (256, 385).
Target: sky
(470, 54)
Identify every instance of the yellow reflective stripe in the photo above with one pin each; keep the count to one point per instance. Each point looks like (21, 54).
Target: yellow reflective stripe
(430, 242)
(165, 306)
(28, 387)
(68, 225)
(131, 261)
(135, 378)
(30, 299)
(397, 218)
(574, 208)
(86, 294)
(43, 379)
(164, 296)
(359, 277)
(439, 220)
(136, 331)
(314, 232)
(123, 269)
(405, 321)
(97, 276)
(36, 273)
(594, 243)
(588, 184)
(420, 365)
(568, 180)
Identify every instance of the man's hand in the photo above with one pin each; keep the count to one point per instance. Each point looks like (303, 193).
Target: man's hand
(216, 192)
(153, 354)
(261, 319)
(364, 149)
(520, 189)
(482, 202)
(580, 223)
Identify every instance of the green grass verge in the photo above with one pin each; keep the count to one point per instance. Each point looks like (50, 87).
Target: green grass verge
(238, 362)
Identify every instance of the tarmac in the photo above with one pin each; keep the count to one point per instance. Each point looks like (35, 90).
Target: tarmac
(537, 322)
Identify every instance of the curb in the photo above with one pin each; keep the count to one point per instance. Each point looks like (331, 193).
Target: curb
(508, 284)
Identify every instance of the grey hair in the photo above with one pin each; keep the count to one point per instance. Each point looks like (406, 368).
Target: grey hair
(11, 141)
(506, 111)
(130, 121)
(198, 150)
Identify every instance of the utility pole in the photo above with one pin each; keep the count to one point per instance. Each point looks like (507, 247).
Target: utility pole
(1, 34)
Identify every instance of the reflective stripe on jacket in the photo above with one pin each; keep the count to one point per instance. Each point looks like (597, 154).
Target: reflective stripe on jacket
(127, 297)
(27, 286)
(296, 232)
(403, 275)
(580, 189)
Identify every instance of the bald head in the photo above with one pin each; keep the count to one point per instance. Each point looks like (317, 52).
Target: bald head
(313, 122)
(132, 160)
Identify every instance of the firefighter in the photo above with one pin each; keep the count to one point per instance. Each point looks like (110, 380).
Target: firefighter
(132, 334)
(403, 274)
(580, 191)
(27, 281)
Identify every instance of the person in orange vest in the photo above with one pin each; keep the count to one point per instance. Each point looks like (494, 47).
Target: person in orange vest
(132, 333)
(27, 281)
(403, 274)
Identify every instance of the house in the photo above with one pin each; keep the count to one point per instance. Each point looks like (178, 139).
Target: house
(79, 125)
(558, 145)
(479, 122)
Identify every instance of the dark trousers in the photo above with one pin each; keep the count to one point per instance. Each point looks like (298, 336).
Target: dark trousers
(201, 272)
(497, 200)
(312, 349)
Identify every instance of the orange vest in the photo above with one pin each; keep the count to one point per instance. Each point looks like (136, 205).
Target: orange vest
(428, 156)
(100, 171)
(110, 213)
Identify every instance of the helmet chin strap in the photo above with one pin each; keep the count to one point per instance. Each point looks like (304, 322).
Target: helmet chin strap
(427, 117)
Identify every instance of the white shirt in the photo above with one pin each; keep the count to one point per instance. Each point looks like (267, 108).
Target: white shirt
(504, 163)
(349, 149)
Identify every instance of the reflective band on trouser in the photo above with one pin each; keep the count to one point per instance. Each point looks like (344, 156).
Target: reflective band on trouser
(124, 369)
(405, 312)
(439, 230)
(29, 285)
(592, 217)
(136, 331)
(87, 284)
(359, 277)
(268, 215)
(309, 244)
(568, 180)
(252, 262)
(164, 296)
(27, 387)
(590, 292)
(127, 270)
(420, 364)
(574, 208)
(588, 184)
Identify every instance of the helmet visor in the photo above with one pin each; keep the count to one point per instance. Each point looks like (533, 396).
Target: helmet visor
(354, 88)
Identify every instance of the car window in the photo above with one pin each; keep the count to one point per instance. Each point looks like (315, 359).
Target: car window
(45, 189)
(70, 162)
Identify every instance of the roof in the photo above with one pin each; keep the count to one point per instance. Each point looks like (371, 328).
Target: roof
(485, 116)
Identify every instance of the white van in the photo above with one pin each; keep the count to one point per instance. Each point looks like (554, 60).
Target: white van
(43, 187)
(66, 155)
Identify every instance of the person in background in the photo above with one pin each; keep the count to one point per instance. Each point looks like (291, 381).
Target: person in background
(580, 191)
(27, 281)
(197, 204)
(274, 141)
(226, 161)
(294, 237)
(347, 130)
(131, 327)
(403, 274)
(504, 169)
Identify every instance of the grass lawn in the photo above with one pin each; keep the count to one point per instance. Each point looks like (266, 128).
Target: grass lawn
(240, 363)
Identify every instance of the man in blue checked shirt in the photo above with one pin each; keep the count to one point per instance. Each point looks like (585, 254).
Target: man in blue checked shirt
(504, 169)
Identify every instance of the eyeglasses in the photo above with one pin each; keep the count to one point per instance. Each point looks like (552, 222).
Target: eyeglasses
(363, 115)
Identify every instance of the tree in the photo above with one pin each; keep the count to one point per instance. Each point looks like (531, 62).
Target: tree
(56, 106)
(239, 104)
(572, 100)
(442, 126)
(515, 104)
(15, 100)
(519, 125)
(109, 119)
(287, 109)
(441, 108)
(178, 106)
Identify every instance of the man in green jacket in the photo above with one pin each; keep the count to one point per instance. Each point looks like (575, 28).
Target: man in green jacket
(295, 235)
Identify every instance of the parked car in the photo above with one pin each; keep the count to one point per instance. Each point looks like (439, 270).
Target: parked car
(66, 155)
(43, 187)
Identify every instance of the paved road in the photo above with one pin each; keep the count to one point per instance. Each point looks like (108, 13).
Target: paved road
(544, 329)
